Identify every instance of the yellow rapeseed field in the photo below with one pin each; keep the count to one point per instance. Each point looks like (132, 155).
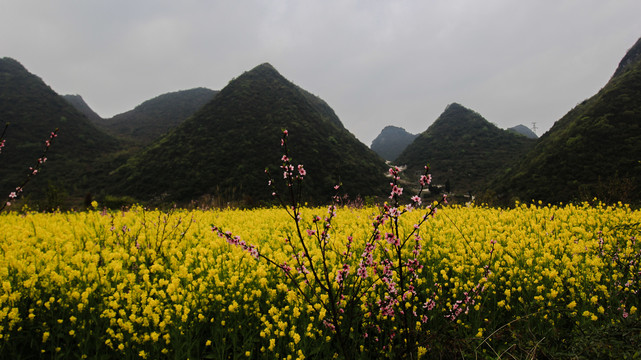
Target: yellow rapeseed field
(152, 284)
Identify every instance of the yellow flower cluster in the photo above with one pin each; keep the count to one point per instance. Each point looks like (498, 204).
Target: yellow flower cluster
(145, 284)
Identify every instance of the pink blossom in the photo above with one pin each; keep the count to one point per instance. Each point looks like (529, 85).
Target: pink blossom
(342, 273)
(396, 191)
(233, 240)
(391, 239)
(302, 269)
(329, 325)
(429, 305)
(425, 179)
(362, 270)
(301, 171)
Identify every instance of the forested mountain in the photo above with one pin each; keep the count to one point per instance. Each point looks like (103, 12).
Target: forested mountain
(198, 143)
(155, 117)
(33, 110)
(523, 130)
(79, 103)
(464, 150)
(223, 149)
(391, 142)
(594, 150)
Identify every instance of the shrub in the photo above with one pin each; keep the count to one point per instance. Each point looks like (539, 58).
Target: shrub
(366, 291)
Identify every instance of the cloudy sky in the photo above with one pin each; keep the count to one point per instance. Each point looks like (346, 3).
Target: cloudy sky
(375, 62)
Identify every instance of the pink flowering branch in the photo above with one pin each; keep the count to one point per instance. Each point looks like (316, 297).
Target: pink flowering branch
(363, 284)
(33, 170)
(397, 273)
(2, 140)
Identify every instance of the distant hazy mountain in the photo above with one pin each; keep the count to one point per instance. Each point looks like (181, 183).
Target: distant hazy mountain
(463, 149)
(391, 142)
(34, 110)
(157, 116)
(523, 130)
(223, 149)
(79, 103)
(594, 150)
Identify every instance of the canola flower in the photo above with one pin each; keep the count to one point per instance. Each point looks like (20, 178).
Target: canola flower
(150, 284)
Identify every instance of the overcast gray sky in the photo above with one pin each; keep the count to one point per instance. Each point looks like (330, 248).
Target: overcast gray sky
(375, 62)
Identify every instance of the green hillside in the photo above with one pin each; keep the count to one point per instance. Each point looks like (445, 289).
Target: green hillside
(80, 154)
(594, 150)
(464, 150)
(391, 142)
(157, 116)
(79, 103)
(224, 148)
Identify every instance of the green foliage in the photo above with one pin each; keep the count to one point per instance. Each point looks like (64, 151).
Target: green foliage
(224, 147)
(33, 110)
(116, 202)
(596, 141)
(155, 117)
(79, 103)
(54, 198)
(216, 151)
(464, 150)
